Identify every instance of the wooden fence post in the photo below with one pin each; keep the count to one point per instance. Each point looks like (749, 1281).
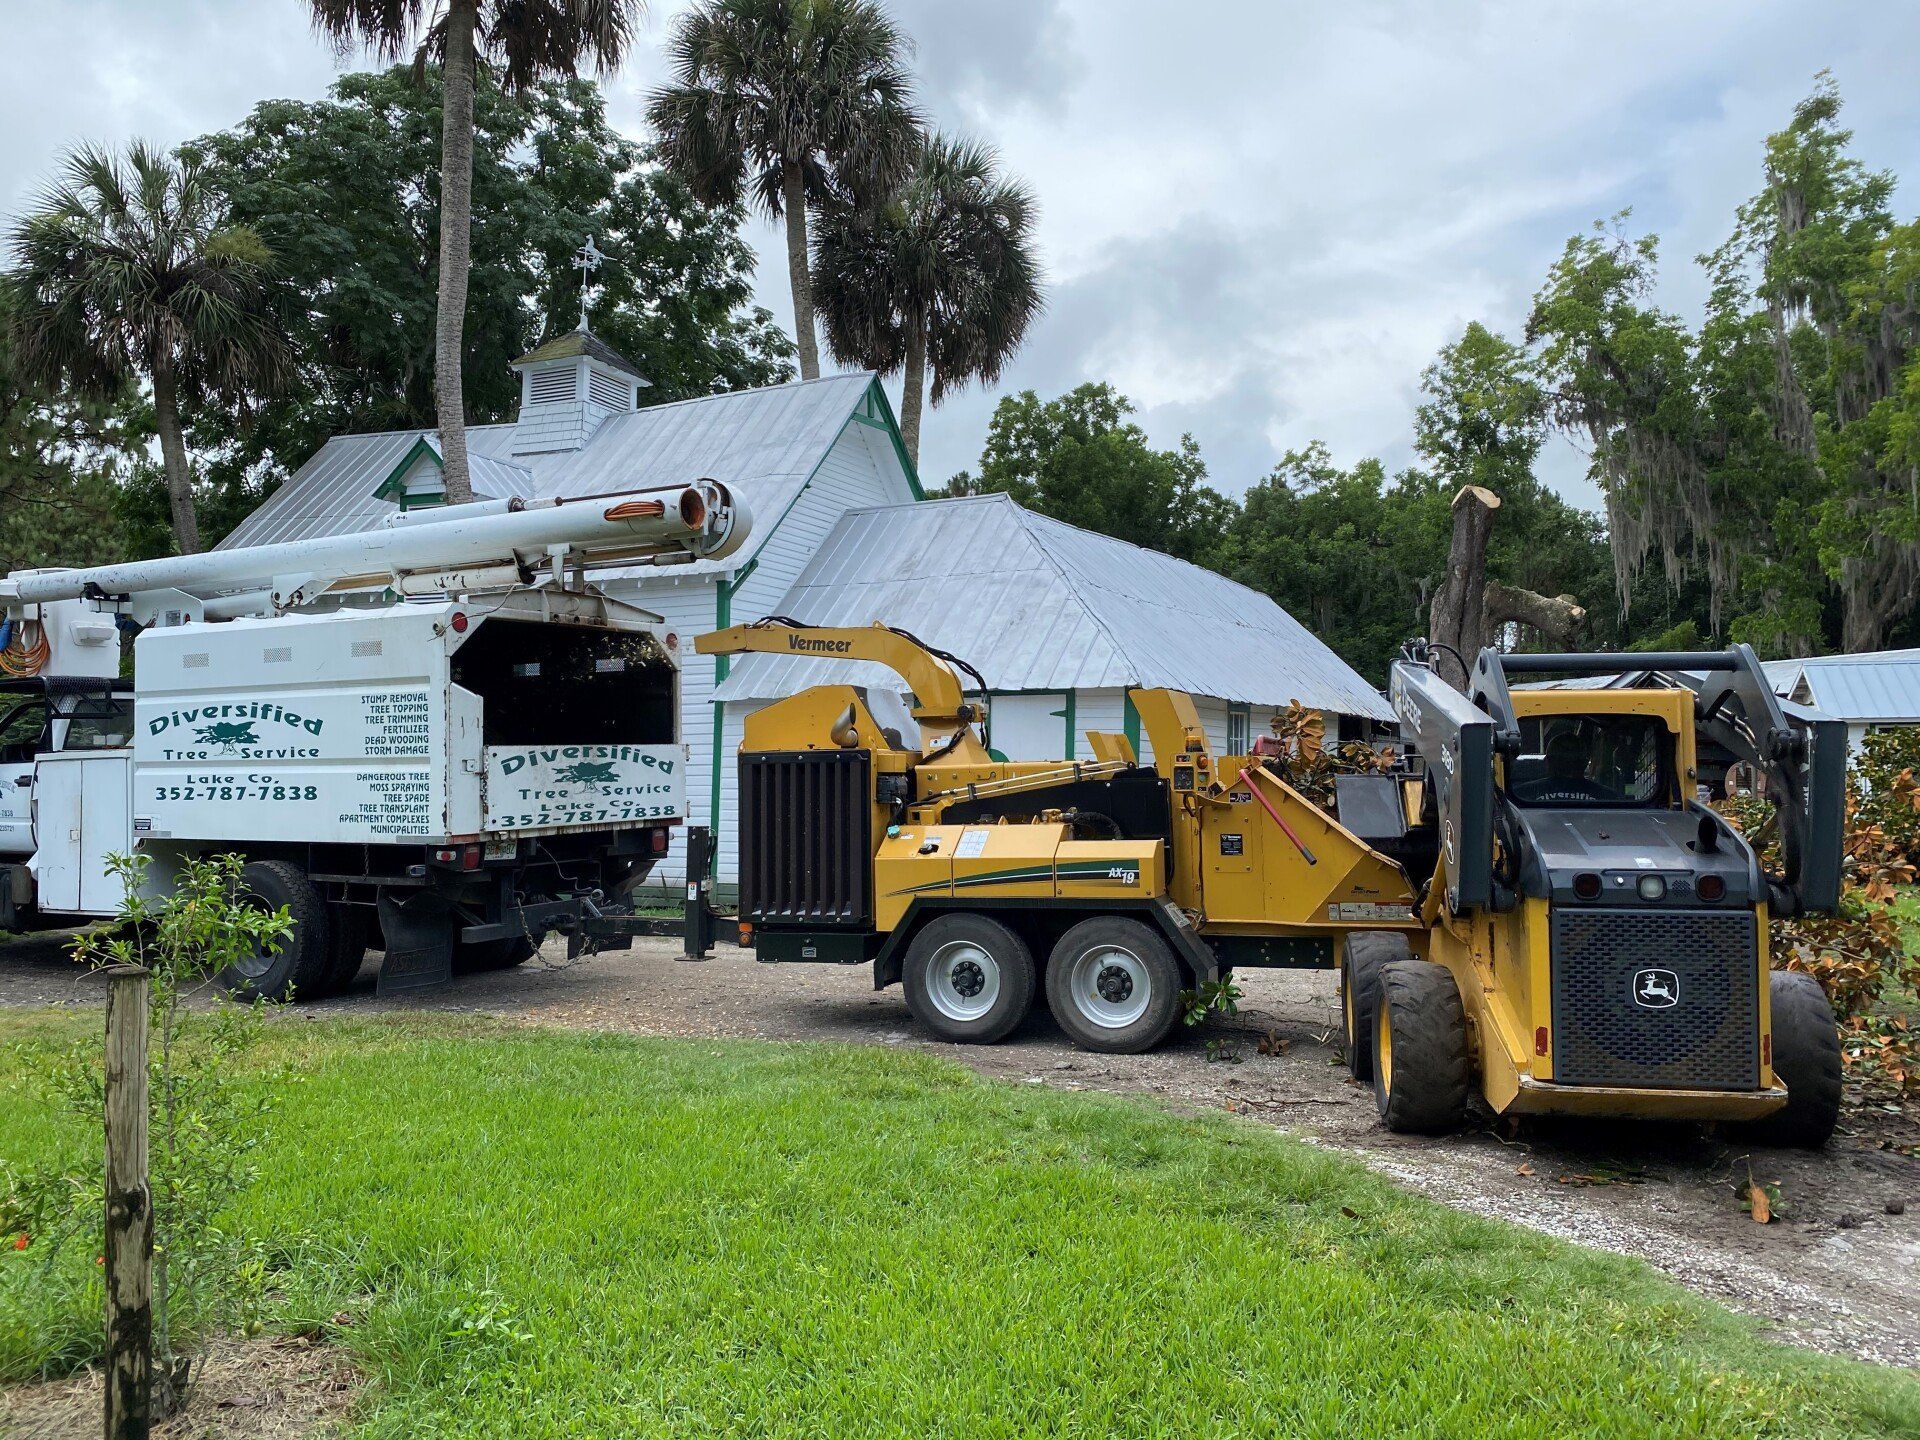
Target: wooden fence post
(129, 1249)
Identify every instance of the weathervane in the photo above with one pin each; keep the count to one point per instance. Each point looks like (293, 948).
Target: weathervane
(586, 260)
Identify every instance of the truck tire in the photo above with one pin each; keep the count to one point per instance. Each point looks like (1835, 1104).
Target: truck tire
(483, 955)
(1806, 1059)
(968, 979)
(1114, 986)
(298, 969)
(1421, 1072)
(1361, 960)
(347, 929)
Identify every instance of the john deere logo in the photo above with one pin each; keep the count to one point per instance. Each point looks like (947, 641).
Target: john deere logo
(1656, 989)
(586, 773)
(228, 737)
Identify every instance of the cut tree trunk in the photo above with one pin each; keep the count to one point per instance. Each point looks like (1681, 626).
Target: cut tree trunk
(913, 394)
(1469, 609)
(173, 457)
(1458, 616)
(456, 249)
(793, 198)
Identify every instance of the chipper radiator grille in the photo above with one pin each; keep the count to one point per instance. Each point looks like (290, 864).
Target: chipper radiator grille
(1658, 998)
(806, 847)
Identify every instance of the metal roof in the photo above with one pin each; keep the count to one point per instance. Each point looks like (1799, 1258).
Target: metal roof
(1038, 604)
(1875, 688)
(763, 443)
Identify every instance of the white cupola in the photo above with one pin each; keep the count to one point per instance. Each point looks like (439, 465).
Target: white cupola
(568, 386)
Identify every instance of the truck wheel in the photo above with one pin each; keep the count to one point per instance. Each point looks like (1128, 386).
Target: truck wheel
(1113, 986)
(1806, 1059)
(483, 955)
(968, 978)
(1420, 1068)
(1361, 959)
(347, 927)
(298, 969)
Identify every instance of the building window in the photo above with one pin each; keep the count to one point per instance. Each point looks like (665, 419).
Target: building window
(1239, 722)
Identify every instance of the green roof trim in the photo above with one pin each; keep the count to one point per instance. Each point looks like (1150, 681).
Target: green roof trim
(394, 487)
(876, 404)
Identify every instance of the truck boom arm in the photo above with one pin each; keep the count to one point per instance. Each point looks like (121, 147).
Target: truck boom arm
(497, 545)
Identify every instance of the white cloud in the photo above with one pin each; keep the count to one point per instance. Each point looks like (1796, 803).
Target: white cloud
(1260, 219)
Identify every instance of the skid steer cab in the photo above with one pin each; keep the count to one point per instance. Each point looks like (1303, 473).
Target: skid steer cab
(877, 832)
(1595, 937)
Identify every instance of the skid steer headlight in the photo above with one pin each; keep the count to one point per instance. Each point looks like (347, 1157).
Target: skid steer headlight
(1652, 887)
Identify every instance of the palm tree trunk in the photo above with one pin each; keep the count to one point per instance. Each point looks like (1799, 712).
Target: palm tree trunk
(456, 234)
(793, 198)
(913, 392)
(173, 455)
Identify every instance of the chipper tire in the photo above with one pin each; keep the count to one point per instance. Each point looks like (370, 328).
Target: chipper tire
(298, 969)
(969, 979)
(1806, 1059)
(1362, 957)
(1114, 986)
(1421, 1070)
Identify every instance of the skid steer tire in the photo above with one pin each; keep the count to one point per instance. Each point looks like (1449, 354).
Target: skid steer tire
(1421, 1070)
(969, 979)
(347, 928)
(484, 955)
(298, 970)
(1361, 959)
(1113, 986)
(1806, 1059)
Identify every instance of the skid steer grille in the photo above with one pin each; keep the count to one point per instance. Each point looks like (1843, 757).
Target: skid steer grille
(1658, 998)
(805, 838)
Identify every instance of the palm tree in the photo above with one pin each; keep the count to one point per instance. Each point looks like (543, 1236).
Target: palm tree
(128, 266)
(528, 40)
(942, 274)
(777, 99)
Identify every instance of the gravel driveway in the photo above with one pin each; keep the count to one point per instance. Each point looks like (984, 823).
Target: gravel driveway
(1840, 1270)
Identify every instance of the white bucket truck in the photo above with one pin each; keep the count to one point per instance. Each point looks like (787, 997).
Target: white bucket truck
(435, 737)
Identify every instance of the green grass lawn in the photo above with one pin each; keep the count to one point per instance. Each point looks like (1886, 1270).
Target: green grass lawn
(579, 1235)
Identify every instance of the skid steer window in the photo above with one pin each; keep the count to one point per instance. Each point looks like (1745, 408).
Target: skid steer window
(1592, 760)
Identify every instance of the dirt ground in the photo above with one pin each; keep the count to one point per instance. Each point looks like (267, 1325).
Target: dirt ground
(276, 1388)
(1838, 1270)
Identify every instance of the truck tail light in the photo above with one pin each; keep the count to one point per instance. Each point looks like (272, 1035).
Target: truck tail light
(459, 622)
(659, 842)
(467, 857)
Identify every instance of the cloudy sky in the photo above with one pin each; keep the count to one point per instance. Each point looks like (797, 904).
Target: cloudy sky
(1260, 219)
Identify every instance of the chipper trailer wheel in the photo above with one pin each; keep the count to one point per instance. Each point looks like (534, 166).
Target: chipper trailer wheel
(299, 968)
(1421, 1072)
(969, 979)
(1113, 986)
(1806, 1059)
(1362, 957)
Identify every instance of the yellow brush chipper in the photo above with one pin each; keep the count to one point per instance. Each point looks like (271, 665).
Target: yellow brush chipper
(1535, 909)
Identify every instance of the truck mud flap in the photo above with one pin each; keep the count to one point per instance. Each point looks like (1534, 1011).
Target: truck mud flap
(419, 932)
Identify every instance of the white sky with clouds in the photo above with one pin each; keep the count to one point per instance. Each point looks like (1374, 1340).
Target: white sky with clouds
(1260, 220)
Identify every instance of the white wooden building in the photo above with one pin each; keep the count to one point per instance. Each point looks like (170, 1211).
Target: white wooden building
(801, 455)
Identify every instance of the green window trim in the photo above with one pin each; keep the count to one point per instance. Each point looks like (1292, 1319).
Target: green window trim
(1130, 722)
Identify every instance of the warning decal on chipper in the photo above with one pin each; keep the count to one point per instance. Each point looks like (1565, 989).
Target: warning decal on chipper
(1369, 910)
(539, 787)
